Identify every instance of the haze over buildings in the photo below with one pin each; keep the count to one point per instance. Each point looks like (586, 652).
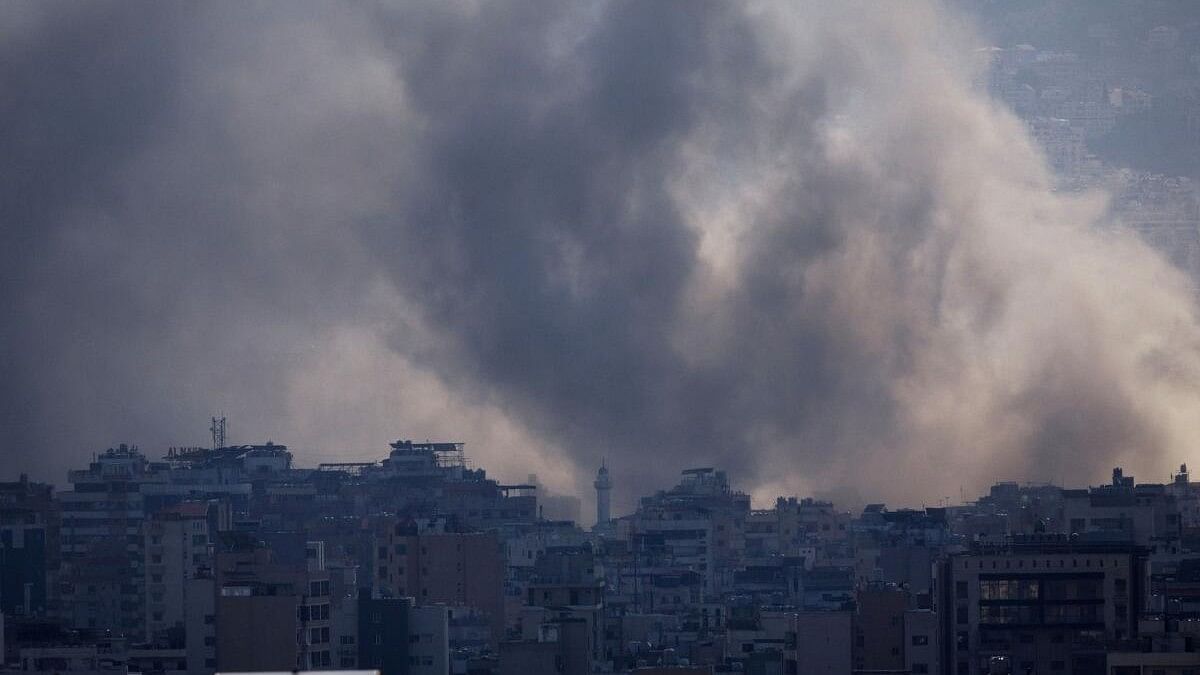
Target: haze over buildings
(238, 559)
(764, 338)
(815, 244)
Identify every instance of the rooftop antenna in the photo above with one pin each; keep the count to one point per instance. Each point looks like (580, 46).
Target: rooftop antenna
(218, 432)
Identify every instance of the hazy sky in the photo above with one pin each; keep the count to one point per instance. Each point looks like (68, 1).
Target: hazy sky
(786, 240)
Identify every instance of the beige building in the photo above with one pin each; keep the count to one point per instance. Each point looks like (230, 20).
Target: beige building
(455, 569)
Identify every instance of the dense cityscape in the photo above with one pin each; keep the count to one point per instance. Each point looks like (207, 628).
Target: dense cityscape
(675, 258)
(232, 559)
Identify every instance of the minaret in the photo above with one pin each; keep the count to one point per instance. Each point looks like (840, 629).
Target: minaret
(603, 486)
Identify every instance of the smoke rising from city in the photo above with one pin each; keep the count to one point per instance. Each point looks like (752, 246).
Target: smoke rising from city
(790, 242)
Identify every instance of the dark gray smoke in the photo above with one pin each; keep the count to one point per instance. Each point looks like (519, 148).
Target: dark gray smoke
(792, 243)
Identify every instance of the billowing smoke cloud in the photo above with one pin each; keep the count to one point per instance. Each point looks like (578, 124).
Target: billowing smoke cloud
(788, 242)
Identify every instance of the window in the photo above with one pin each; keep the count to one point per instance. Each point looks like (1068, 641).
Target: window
(1008, 614)
(920, 668)
(960, 589)
(961, 614)
(920, 640)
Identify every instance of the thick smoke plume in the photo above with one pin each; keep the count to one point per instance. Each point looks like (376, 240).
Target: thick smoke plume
(789, 242)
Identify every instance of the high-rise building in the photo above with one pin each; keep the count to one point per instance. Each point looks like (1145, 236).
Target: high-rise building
(270, 614)
(177, 549)
(455, 569)
(1038, 604)
(695, 529)
(103, 580)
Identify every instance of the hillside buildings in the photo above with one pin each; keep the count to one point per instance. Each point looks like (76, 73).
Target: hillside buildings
(236, 559)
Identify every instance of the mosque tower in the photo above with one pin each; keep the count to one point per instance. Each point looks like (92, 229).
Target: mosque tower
(603, 487)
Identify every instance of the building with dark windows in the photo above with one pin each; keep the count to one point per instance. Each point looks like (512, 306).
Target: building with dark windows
(1037, 604)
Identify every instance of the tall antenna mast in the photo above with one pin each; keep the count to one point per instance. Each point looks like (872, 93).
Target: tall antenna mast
(218, 432)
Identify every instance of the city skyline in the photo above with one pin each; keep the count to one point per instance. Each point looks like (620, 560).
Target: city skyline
(758, 338)
(585, 502)
(793, 241)
(236, 559)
